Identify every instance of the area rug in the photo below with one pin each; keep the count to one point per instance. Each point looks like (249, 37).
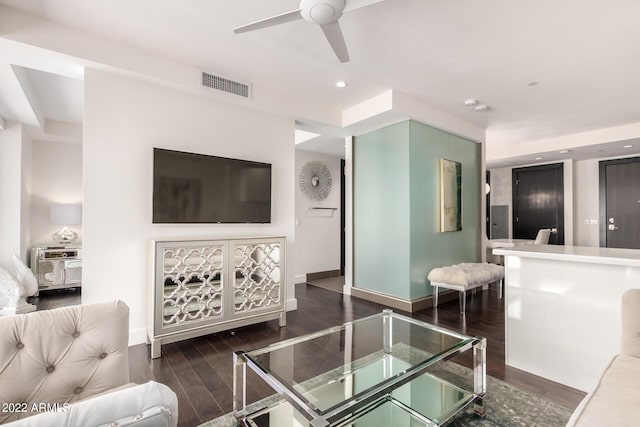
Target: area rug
(506, 406)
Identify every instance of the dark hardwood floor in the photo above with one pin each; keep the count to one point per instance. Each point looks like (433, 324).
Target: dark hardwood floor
(48, 300)
(199, 370)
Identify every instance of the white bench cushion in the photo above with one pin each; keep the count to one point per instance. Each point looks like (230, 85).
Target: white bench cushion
(467, 275)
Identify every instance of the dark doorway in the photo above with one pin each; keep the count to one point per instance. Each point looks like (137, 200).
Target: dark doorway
(342, 217)
(620, 203)
(538, 202)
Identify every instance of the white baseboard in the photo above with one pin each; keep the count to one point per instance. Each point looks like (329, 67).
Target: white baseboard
(292, 304)
(300, 278)
(137, 336)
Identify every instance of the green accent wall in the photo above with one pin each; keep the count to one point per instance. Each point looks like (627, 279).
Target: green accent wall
(381, 210)
(396, 207)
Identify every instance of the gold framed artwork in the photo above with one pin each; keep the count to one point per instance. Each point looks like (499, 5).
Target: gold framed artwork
(450, 195)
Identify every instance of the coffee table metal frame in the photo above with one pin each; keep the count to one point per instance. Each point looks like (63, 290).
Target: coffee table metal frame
(359, 401)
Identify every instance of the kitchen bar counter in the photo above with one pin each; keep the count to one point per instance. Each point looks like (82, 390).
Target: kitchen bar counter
(562, 312)
(508, 243)
(630, 257)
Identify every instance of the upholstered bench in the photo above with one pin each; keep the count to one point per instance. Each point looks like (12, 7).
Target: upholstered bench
(464, 277)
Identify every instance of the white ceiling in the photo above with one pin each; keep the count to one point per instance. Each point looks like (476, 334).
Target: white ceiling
(613, 149)
(60, 98)
(583, 53)
(50, 105)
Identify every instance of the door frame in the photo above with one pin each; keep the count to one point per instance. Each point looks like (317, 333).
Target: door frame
(343, 217)
(514, 216)
(602, 165)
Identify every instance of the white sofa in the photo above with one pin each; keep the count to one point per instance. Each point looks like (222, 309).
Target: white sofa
(616, 399)
(70, 367)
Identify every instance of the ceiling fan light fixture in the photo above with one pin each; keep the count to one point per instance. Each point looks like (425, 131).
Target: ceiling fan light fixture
(324, 13)
(321, 12)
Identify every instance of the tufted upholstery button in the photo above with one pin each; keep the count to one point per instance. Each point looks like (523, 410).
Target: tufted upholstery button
(19, 346)
(103, 355)
(76, 334)
(78, 390)
(51, 368)
(113, 424)
(137, 417)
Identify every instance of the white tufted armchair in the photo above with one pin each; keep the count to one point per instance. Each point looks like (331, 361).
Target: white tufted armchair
(54, 364)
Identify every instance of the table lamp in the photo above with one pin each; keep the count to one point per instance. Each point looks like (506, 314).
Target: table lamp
(65, 215)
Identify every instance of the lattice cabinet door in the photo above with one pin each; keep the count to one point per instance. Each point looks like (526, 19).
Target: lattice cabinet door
(190, 284)
(258, 276)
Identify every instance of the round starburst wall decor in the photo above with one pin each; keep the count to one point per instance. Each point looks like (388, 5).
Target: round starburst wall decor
(315, 181)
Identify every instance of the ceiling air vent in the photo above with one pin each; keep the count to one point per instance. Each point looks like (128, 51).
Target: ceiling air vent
(225, 85)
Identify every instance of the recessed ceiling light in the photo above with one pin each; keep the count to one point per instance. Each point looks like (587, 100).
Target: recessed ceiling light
(538, 158)
(531, 84)
(481, 107)
(470, 102)
(628, 146)
(341, 84)
(563, 151)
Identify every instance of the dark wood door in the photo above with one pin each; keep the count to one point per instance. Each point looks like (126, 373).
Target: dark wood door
(620, 209)
(538, 202)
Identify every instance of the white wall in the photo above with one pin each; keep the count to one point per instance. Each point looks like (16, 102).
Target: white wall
(317, 232)
(57, 179)
(587, 208)
(123, 120)
(10, 193)
(501, 192)
(25, 196)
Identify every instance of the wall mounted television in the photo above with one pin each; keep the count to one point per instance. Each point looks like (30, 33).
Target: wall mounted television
(197, 188)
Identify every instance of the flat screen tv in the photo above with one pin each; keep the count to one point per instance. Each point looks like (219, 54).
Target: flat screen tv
(196, 188)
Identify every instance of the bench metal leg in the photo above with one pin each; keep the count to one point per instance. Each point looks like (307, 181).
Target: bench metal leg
(462, 296)
(500, 289)
(435, 297)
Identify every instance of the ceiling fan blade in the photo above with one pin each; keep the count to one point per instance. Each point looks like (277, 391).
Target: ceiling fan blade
(333, 33)
(294, 15)
(357, 4)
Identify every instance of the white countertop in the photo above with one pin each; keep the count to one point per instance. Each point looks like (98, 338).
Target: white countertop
(508, 243)
(613, 256)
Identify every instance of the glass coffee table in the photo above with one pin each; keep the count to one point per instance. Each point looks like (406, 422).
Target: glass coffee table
(381, 370)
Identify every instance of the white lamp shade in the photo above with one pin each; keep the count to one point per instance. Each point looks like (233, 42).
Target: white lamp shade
(65, 214)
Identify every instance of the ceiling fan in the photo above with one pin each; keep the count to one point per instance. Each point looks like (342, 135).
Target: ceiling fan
(324, 13)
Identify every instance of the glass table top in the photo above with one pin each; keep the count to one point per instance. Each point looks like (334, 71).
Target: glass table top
(406, 406)
(354, 361)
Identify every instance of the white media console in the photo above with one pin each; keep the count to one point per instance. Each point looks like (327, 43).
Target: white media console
(198, 287)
